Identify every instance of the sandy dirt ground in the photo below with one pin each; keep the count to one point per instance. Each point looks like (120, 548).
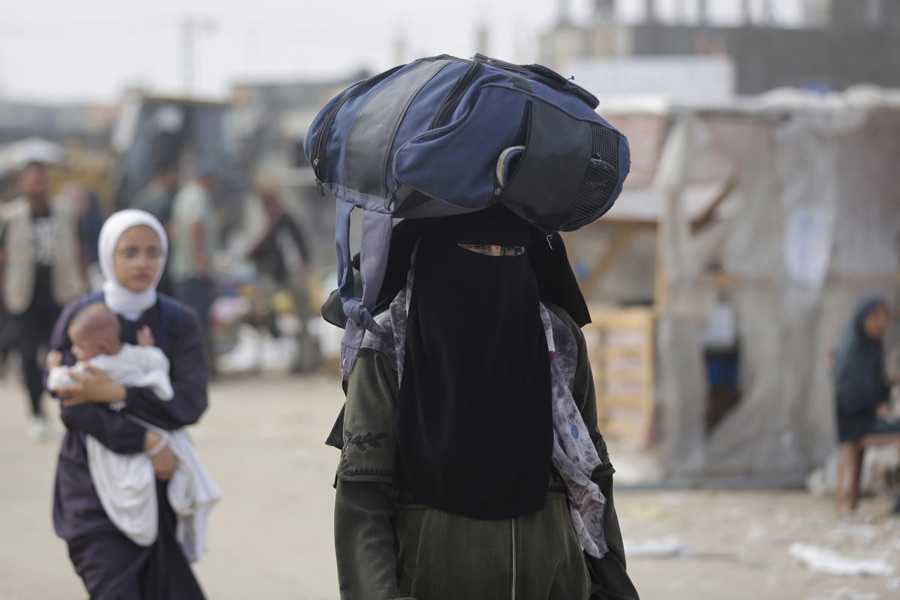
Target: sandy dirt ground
(271, 537)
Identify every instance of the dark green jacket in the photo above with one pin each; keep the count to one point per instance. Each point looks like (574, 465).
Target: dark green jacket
(389, 547)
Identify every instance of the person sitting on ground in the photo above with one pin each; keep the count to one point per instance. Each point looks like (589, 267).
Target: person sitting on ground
(862, 391)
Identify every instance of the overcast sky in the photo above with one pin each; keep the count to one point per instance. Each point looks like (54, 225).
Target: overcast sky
(52, 50)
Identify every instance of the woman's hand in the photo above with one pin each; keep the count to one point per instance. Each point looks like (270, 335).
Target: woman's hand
(91, 387)
(145, 337)
(54, 359)
(884, 411)
(164, 461)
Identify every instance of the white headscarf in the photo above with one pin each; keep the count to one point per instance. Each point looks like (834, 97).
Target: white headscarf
(118, 298)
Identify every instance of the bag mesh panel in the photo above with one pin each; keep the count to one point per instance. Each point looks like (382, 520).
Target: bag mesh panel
(600, 178)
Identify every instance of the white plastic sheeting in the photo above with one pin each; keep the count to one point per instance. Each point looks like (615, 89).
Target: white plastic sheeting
(682, 382)
(817, 226)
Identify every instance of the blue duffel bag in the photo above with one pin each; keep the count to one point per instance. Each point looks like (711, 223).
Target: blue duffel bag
(442, 136)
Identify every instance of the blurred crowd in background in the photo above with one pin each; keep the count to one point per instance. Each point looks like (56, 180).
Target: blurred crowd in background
(245, 268)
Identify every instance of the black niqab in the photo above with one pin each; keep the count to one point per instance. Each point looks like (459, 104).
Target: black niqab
(546, 253)
(474, 424)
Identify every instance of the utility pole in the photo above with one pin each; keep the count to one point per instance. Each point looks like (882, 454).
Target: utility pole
(399, 48)
(650, 14)
(604, 11)
(190, 28)
(564, 15)
(680, 12)
(768, 13)
(746, 14)
(483, 37)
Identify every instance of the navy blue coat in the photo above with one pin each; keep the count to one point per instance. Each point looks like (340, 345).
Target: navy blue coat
(860, 379)
(78, 516)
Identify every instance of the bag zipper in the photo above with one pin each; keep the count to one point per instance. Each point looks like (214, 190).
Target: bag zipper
(451, 100)
(544, 75)
(332, 115)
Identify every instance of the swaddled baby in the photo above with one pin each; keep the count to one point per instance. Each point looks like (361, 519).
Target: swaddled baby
(94, 332)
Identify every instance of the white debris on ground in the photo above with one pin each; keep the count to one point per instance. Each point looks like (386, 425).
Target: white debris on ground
(823, 560)
(257, 350)
(847, 594)
(658, 547)
(745, 538)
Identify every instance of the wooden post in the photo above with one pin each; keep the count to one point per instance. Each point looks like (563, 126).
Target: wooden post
(608, 258)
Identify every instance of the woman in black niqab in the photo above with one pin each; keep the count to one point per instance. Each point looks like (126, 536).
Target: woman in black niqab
(474, 425)
(453, 481)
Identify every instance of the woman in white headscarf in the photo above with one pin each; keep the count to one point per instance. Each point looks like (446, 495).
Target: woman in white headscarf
(132, 252)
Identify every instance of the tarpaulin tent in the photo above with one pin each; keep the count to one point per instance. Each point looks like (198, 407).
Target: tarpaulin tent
(794, 197)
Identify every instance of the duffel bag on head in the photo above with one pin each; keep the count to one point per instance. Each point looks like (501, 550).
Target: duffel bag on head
(443, 136)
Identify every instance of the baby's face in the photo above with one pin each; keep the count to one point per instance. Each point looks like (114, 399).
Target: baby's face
(86, 346)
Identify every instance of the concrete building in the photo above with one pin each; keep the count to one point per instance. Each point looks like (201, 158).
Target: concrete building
(841, 43)
(281, 111)
(90, 125)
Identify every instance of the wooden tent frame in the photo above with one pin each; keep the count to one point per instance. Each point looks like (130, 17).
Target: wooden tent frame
(622, 341)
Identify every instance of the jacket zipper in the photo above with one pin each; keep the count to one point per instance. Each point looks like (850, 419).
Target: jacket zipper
(332, 115)
(515, 575)
(451, 101)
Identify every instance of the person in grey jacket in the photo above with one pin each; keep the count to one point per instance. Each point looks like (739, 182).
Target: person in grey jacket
(40, 271)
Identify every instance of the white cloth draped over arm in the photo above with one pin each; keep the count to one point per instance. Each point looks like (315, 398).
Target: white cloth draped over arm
(192, 494)
(126, 487)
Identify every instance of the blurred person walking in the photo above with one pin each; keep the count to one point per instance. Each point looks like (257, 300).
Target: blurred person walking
(7, 338)
(158, 199)
(89, 224)
(7, 325)
(133, 248)
(195, 237)
(86, 207)
(41, 269)
(282, 249)
(862, 393)
(281, 255)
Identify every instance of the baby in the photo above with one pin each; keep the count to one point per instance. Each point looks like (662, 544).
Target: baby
(94, 332)
(126, 483)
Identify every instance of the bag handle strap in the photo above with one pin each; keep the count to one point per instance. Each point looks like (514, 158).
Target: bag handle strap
(375, 243)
